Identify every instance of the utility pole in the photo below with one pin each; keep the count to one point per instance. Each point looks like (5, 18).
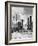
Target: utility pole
(16, 17)
(22, 23)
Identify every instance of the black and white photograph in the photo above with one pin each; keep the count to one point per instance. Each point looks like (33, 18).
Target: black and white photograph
(21, 24)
